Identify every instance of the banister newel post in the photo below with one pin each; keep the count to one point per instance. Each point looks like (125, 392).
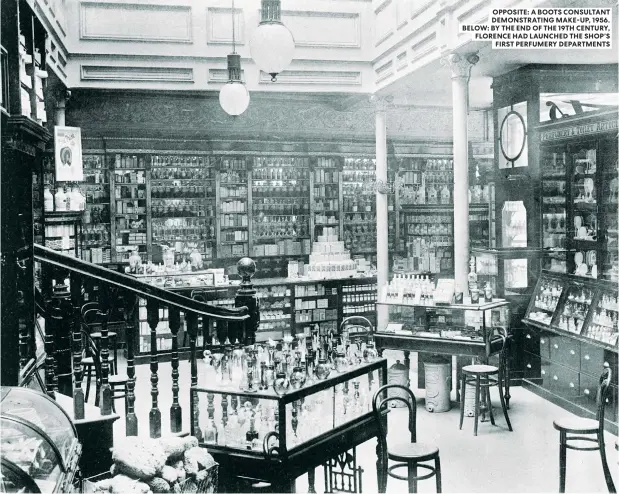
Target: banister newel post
(246, 297)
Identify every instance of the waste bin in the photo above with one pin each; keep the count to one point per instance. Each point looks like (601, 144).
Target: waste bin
(398, 374)
(438, 384)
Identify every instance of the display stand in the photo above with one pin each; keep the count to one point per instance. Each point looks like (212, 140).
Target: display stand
(298, 430)
(432, 329)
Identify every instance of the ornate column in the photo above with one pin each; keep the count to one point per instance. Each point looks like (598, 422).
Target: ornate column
(460, 66)
(382, 222)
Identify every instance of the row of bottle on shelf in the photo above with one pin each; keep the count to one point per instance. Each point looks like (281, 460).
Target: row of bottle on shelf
(233, 177)
(65, 199)
(97, 194)
(329, 191)
(349, 310)
(359, 204)
(280, 174)
(281, 247)
(286, 190)
(179, 208)
(192, 189)
(123, 192)
(281, 206)
(286, 226)
(169, 173)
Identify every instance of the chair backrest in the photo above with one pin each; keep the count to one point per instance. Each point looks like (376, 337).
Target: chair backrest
(602, 395)
(92, 350)
(496, 341)
(379, 404)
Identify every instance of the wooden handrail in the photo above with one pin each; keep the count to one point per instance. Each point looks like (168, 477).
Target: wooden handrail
(136, 286)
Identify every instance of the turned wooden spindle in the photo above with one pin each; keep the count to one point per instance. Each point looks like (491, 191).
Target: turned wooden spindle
(192, 329)
(176, 417)
(154, 416)
(105, 402)
(76, 303)
(131, 419)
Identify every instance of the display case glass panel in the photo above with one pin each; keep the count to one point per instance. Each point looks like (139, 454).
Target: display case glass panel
(545, 299)
(514, 224)
(38, 438)
(304, 405)
(604, 319)
(585, 218)
(553, 163)
(572, 313)
(512, 122)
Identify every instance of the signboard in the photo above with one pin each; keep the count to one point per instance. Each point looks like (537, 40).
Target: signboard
(68, 154)
(579, 130)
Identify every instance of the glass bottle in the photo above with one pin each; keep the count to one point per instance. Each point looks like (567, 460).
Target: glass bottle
(60, 200)
(340, 363)
(297, 378)
(48, 199)
(370, 354)
(323, 369)
(281, 384)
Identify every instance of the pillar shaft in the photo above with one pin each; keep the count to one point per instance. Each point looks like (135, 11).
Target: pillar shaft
(60, 112)
(382, 228)
(460, 73)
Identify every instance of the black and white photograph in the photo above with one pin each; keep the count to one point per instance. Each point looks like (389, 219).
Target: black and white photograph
(313, 246)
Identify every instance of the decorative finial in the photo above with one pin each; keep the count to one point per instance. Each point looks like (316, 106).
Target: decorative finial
(246, 267)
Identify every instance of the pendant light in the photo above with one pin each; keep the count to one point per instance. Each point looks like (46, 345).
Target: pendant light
(271, 44)
(234, 97)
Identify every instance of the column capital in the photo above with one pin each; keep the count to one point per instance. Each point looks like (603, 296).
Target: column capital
(380, 103)
(460, 65)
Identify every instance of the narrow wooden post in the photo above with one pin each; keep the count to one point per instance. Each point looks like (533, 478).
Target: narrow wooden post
(76, 303)
(131, 420)
(50, 362)
(61, 299)
(192, 329)
(246, 297)
(176, 414)
(154, 417)
(105, 402)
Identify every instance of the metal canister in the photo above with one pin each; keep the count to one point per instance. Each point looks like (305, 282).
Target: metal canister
(438, 385)
(398, 374)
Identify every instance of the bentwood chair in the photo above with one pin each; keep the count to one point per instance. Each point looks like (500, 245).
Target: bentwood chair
(408, 454)
(576, 432)
(484, 377)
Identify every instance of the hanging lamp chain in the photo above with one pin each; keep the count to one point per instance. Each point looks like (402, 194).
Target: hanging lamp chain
(234, 59)
(233, 30)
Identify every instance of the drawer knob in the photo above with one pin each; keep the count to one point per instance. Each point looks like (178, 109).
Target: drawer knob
(587, 391)
(555, 378)
(556, 346)
(528, 366)
(571, 385)
(542, 341)
(528, 336)
(543, 372)
(587, 357)
(572, 352)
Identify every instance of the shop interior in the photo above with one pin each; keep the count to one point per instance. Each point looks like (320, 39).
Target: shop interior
(304, 246)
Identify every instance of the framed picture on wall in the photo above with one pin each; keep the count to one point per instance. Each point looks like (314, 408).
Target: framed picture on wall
(68, 154)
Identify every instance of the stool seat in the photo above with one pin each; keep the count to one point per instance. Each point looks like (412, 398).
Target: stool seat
(412, 451)
(577, 425)
(480, 369)
(96, 335)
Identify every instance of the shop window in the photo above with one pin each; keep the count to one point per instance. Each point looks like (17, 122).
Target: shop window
(513, 136)
(514, 224)
(555, 106)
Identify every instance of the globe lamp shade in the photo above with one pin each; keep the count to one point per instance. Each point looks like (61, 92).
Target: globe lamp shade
(271, 44)
(234, 98)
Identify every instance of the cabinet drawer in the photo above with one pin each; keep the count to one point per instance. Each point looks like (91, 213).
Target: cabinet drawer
(591, 360)
(544, 345)
(530, 341)
(545, 375)
(563, 381)
(565, 351)
(532, 367)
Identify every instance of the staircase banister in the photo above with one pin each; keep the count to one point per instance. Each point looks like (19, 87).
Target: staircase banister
(136, 286)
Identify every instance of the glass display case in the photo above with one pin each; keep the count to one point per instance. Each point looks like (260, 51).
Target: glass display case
(587, 309)
(284, 413)
(39, 445)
